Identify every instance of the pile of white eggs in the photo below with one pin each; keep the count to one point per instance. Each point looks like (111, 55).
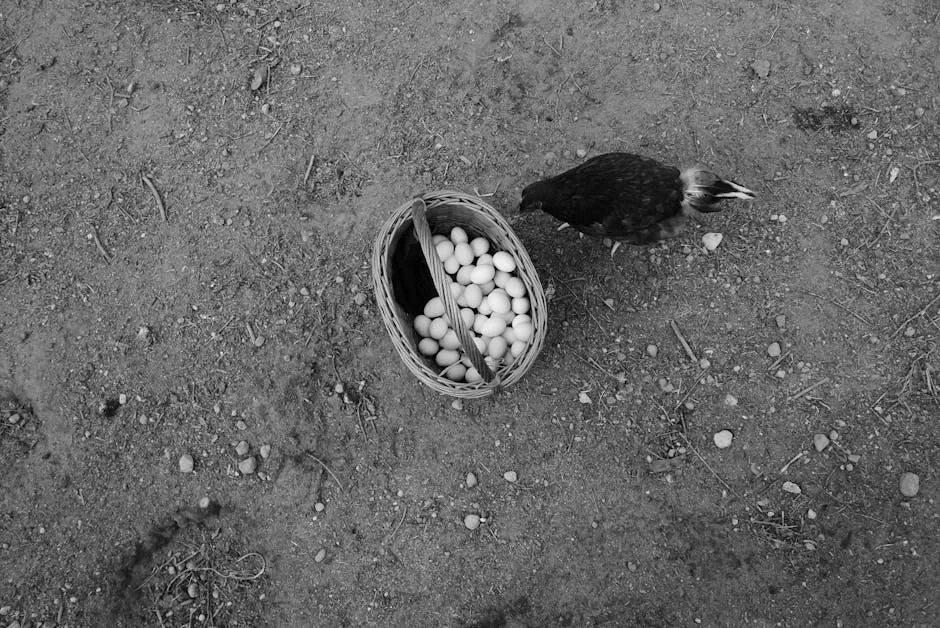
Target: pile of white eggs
(493, 304)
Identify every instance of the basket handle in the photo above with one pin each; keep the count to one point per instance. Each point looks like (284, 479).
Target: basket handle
(441, 282)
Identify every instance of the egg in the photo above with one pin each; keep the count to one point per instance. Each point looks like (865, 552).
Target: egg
(520, 305)
(473, 295)
(479, 246)
(473, 376)
(463, 253)
(517, 348)
(478, 321)
(482, 273)
(457, 235)
(523, 331)
(428, 346)
(501, 278)
(434, 308)
(510, 335)
(438, 328)
(445, 249)
(468, 317)
(520, 319)
(437, 239)
(456, 372)
(496, 347)
(488, 287)
(508, 358)
(514, 287)
(422, 324)
(498, 301)
(493, 327)
(504, 261)
(480, 344)
(509, 317)
(446, 357)
(463, 274)
(450, 341)
(451, 265)
(456, 290)
(485, 308)
(485, 259)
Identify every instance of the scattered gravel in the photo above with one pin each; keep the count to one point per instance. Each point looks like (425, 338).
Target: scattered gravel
(910, 484)
(723, 439)
(242, 448)
(248, 465)
(186, 463)
(820, 441)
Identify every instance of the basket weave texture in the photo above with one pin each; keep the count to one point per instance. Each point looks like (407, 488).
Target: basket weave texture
(437, 213)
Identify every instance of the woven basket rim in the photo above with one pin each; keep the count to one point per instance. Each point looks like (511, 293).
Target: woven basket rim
(401, 330)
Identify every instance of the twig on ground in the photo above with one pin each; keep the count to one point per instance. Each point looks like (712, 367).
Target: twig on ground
(688, 444)
(838, 305)
(808, 389)
(328, 470)
(682, 341)
(156, 195)
(921, 312)
(309, 169)
(99, 245)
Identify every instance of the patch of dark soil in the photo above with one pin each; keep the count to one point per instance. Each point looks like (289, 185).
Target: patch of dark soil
(829, 118)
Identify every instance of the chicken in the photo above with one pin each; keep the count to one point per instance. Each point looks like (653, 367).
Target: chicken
(629, 198)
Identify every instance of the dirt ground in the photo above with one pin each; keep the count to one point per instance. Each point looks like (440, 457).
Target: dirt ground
(280, 135)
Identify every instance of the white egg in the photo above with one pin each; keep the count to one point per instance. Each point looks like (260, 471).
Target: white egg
(518, 347)
(438, 328)
(473, 295)
(497, 347)
(482, 273)
(509, 358)
(468, 316)
(520, 319)
(463, 253)
(510, 335)
(457, 235)
(446, 357)
(520, 305)
(456, 290)
(485, 259)
(523, 331)
(478, 321)
(466, 361)
(504, 261)
(480, 343)
(480, 246)
(437, 239)
(493, 327)
(473, 376)
(451, 265)
(450, 341)
(445, 249)
(501, 278)
(428, 346)
(463, 275)
(509, 317)
(488, 287)
(498, 301)
(515, 287)
(434, 308)
(485, 308)
(422, 323)
(456, 372)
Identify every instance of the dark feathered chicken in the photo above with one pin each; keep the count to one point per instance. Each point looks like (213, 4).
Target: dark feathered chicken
(410, 277)
(629, 198)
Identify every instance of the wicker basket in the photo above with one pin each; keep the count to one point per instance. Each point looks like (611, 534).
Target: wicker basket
(438, 212)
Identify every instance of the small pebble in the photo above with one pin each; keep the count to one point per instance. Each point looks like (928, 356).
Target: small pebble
(193, 590)
(919, 112)
(248, 465)
(14, 418)
(731, 400)
(471, 522)
(457, 404)
(792, 487)
(774, 349)
(711, 240)
(186, 463)
(723, 439)
(704, 363)
(319, 506)
(510, 476)
(471, 480)
(204, 502)
(657, 7)
(844, 242)
(854, 458)
(259, 341)
(810, 514)
(295, 69)
(242, 448)
(122, 399)
(910, 484)
(321, 555)
(780, 373)
(820, 441)
(781, 321)
(240, 425)
(652, 351)
(265, 451)
(266, 108)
